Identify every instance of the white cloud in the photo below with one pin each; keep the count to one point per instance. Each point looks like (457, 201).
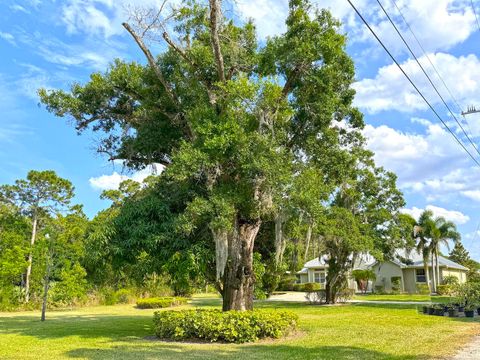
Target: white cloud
(472, 194)
(17, 7)
(438, 24)
(85, 17)
(8, 37)
(452, 215)
(390, 90)
(112, 182)
(415, 157)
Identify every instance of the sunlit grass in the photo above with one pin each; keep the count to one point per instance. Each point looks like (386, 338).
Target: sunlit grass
(361, 331)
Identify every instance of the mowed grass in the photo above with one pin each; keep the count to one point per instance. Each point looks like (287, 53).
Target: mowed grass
(356, 331)
(404, 298)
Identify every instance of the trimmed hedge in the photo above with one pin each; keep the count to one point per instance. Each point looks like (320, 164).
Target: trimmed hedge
(228, 326)
(163, 302)
(307, 287)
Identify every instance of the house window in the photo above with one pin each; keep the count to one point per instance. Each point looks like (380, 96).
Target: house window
(420, 275)
(319, 277)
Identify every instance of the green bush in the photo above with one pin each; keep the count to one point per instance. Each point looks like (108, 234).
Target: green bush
(229, 326)
(379, 289)
(157, 303)
(450, 280)
(123, 296)
(423, 289)
(396, 284)
(287, 283)
(311, 287)
(444, 289)
(307, 287)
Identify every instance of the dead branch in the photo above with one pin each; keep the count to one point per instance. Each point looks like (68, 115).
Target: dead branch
(152, 63)
(215, 18)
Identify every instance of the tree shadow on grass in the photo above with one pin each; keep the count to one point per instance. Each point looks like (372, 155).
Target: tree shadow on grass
(419, 310)
(169, 351)
(84, 326)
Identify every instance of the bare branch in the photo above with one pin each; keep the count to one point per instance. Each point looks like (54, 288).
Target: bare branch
(215, 18)
(152, 63)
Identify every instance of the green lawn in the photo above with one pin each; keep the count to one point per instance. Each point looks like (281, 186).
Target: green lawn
(403, 297)
(360, 331)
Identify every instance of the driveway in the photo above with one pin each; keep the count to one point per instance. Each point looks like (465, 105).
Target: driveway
(300, 297)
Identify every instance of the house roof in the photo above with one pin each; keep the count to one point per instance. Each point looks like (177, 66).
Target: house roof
(401, 258)
(363, 261)
(414, 259)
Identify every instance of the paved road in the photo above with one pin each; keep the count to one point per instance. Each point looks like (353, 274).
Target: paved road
(300, 297)
(470, 352)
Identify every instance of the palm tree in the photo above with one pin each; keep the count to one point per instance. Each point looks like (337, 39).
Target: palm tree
(442, 232)
(422, 232)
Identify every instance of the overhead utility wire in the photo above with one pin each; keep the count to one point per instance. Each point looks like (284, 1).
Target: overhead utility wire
(428, 77)
(432, 64)
(475, 13)
(412, 83)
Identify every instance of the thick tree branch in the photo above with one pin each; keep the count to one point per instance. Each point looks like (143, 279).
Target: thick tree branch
(187, 129)
(215, 18)
(152, 63)
(208, 87)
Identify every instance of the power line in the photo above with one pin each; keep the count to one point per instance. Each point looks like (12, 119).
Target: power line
(433, 65)
(475, 13)
(428, 77)
(412, 83)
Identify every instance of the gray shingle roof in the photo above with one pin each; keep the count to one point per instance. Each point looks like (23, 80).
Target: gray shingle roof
(415, 259)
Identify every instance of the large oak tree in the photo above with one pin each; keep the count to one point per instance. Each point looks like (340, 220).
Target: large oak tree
(235, 122)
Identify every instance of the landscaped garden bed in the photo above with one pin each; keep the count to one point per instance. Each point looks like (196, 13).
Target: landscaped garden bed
(230, 326)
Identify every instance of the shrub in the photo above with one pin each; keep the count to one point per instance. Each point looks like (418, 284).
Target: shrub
(396, 284)
(316, 297)
(229, 326)
(450, 280)
(287, 283)
(423, 289)
(362, 277)
(311, 287)
(157, 303)
(379, 289)
(345, 294)
(307, 287)
(123, 296)
(444, 289)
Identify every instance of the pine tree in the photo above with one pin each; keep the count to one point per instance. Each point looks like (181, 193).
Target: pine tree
(459, 254)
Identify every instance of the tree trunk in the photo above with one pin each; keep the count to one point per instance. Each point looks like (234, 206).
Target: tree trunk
(239, 277)
(329, 293)
(427, 275)
(30, 258)
(434, 282)
(437, 266)
(45, 290)
(307, 245)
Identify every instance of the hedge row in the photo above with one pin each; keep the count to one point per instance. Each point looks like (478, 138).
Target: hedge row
(229, 326)
(163, 302)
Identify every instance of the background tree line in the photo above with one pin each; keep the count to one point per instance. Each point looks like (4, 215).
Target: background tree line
(264, 162)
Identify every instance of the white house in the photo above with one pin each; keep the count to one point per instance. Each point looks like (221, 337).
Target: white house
(315, 271)
(408, 266)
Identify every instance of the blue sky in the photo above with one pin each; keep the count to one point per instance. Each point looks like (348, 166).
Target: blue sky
(52, 43)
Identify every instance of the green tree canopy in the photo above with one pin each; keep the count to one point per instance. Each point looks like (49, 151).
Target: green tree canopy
(236, 124)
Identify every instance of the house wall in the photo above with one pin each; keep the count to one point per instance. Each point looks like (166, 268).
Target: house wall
(384, 272)
(409, 281)
(459, 274)
(303, 278)
(309, 277)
